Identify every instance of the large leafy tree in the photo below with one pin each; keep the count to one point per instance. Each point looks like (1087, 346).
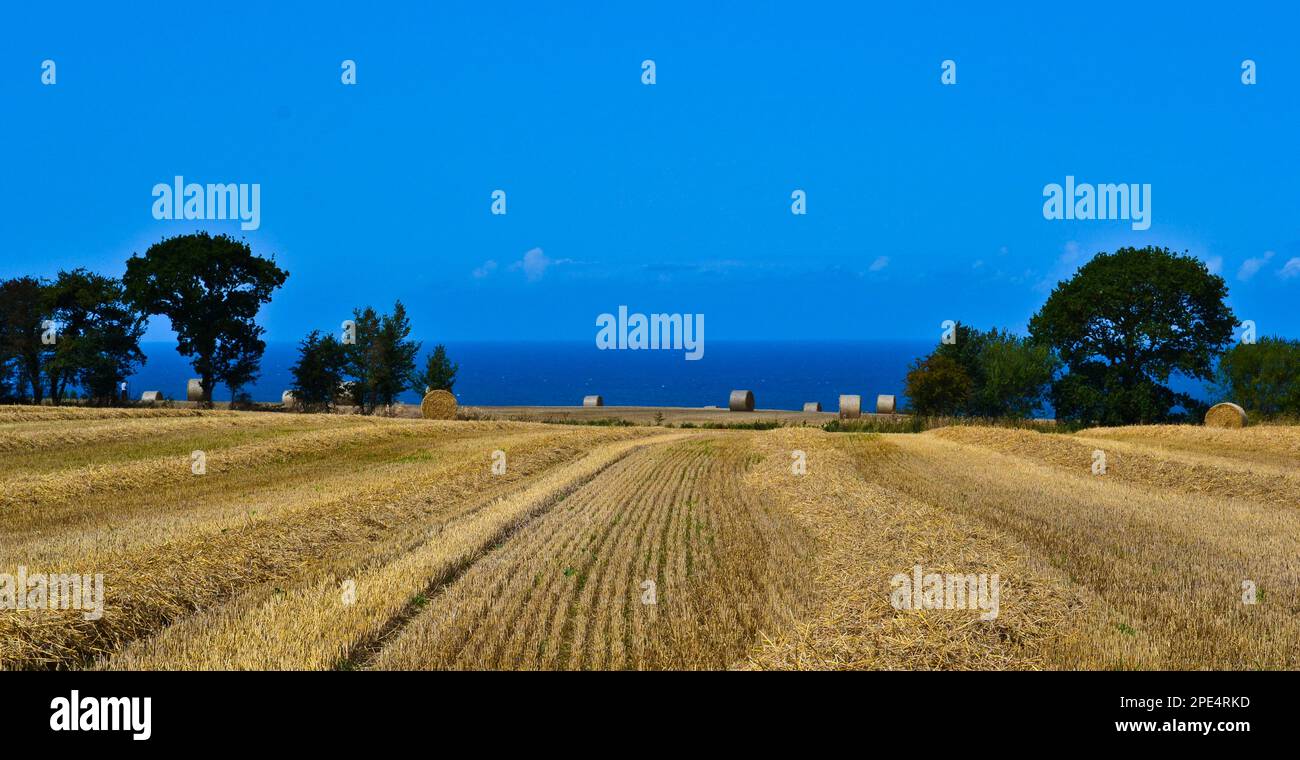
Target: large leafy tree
(1123, 324)
(98, 337)
(24, 306)
(211, 288)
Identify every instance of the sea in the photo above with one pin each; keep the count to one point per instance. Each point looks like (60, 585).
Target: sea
(782, 374)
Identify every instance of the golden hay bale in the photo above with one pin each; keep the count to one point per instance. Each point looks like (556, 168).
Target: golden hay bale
(1225, 415)
(194, 390)
(741, 401)
(151, 397)
(812, 406)
(438, 405)
(884, 404)
(850, 406)
(287, 398)
(593, 400)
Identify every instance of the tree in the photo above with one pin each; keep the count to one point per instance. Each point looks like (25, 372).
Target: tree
(99, 335)
(382, 361)
(1014, 376)
(1263, 377)
(1009, 375)
(211, 289)
(398, 354)
(24, 306)
(6, 376)
(363, 358)
(241, 356)
(439, 373)
(319, 372)
(937, 385)
(1122, 324)
(8, 367)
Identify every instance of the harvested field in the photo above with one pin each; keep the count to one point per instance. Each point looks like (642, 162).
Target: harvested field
(569, 591)
(643, 415)
(348, 542)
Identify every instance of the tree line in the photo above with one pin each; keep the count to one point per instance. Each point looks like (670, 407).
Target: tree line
(369, 366)
(78, 335)
(1103, 347)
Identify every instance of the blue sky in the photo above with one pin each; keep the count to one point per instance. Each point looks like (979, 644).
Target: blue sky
(924, 201)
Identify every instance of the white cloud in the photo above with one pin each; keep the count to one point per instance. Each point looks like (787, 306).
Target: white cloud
(1251, 266)
(879, 264)
(488, 268)
(535, 263)
(1290, 269)
(1065, 265)
(1214, 264)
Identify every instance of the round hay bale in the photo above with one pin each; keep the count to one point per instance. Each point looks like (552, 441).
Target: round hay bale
(850, 406)
(884, 404)
(1225, 415)
(438, 405)
(287, 398)
(151, 397)
(741, 401)
(812, 406)
(194, 390)
(593, 400)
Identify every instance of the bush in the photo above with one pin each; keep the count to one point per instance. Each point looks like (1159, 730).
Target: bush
(1263, 377)
(938, 385)
(1005, 376)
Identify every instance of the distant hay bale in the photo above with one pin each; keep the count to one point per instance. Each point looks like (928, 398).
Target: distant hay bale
(287, 398)
(812, 406)
(151, 397)
(1225, 415)
(850, 406)
(884, 404)
(194, 390)
(438, 405)
(593, 400)
(741, 401)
